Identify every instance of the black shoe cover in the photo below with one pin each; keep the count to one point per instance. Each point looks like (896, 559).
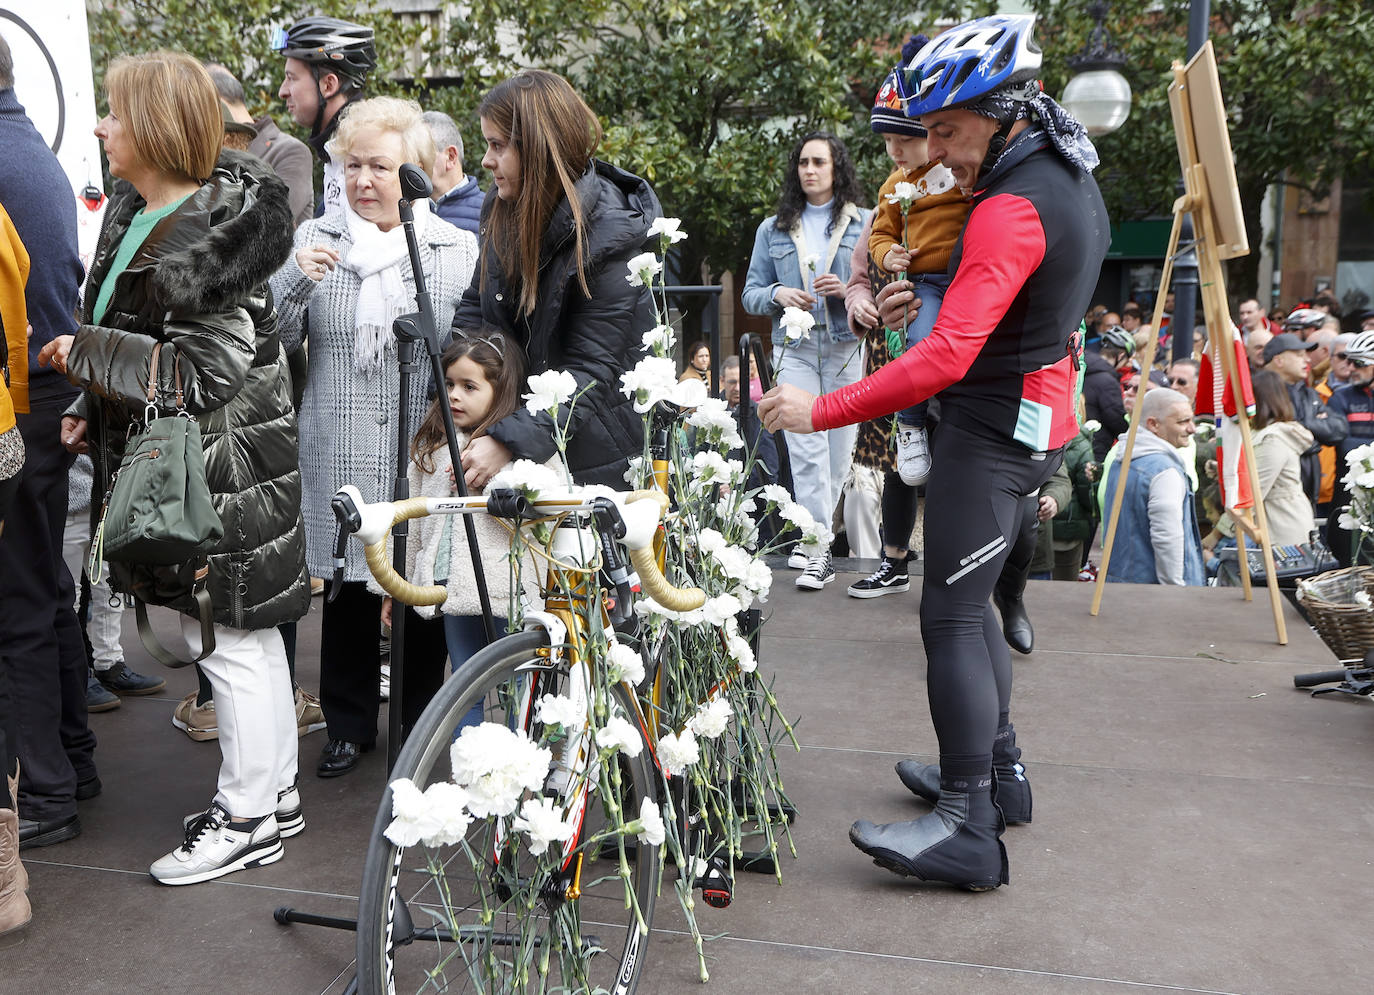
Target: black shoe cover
(958, 844)
(1016, 624)
(1010, 789)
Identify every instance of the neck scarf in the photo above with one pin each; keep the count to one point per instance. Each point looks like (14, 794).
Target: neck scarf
(378, 257)
(1066, 134)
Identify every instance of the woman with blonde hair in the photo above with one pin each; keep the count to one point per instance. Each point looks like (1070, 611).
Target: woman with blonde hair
(349, 278)
(560, 226)
(178, 284)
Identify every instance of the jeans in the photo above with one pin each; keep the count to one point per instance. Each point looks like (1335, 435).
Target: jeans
(256, 714)
(466, 636)
(820, 461)
(929, 289)
(106, 624)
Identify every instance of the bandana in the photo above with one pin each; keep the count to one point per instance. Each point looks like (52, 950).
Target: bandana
(1065, 132)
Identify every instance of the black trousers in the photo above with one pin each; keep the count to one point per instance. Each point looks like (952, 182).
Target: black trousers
(40, 638)
(350, 663)
(977, 498)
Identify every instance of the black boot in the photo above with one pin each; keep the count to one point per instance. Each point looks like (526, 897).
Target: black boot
(1010, 789)
(958, 844)
(1016, 624)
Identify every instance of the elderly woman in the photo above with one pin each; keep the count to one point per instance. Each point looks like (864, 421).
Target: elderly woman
(349, 279)
(189, 243)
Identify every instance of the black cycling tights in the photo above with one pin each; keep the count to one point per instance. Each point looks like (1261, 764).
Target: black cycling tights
(976, 498)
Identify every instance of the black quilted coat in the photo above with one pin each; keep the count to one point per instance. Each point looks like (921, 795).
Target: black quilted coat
(199, 285)
(596, 337)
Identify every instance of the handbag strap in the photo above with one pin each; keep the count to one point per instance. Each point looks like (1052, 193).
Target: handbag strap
(207, 626)
(151, 397)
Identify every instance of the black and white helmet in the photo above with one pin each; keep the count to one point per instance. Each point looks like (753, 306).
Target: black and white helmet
(1303, 318)
(1119, 339)
(1360, 349)
(331, 45)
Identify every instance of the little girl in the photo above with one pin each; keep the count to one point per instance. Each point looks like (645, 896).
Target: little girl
(483, 377)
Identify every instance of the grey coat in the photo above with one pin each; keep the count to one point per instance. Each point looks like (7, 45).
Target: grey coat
(348, 420)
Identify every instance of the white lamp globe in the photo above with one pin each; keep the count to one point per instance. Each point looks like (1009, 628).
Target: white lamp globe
(1100, 98)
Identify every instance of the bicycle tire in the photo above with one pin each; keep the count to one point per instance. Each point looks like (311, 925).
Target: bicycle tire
(508, 660)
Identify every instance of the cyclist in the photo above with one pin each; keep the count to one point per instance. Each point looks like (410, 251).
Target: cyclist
(1004, 358)
(327, 63)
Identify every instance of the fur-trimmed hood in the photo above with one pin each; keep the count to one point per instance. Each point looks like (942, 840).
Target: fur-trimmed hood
(221, 243)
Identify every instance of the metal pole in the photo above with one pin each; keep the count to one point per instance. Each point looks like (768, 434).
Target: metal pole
(1185, 269)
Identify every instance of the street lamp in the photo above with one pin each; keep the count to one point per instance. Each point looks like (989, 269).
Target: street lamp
(1098, 95)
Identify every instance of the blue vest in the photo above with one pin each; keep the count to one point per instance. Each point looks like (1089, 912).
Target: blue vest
(1133, 555)
(462, 206)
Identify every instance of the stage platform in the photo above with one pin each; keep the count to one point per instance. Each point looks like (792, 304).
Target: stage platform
(1200, 825)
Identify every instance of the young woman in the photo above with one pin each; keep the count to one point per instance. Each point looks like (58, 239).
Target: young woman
(698, 363)
(183, 262)
(559, 228)
(801, 259)
(350, 277)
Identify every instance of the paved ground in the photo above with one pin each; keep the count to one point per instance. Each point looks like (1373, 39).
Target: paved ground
(1200, 826)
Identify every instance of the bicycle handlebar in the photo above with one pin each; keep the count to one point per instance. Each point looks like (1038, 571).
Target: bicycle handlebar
(640, 511)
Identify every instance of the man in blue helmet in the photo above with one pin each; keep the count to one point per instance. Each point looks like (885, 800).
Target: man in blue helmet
(1004, 358)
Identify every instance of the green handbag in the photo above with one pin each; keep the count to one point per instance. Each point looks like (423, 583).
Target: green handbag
(158, 510)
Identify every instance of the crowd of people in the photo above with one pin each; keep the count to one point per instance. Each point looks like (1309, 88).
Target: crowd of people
(941, 371)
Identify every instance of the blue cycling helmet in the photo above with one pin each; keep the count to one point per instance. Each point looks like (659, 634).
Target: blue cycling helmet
(969, 61)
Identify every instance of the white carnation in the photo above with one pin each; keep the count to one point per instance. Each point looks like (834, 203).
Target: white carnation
(669, 228)
(558, 709)
(677, 753)
(741, 652)
(712, 416)
(619, 734)
(449, 817)
(654, 832)
(624, 663)
(643, 268)
(796, 323)
(528, 477)
(721, 607)
(902, 192)
(497, 766)
(811, 260)
(712, 718)
(542, 821)
(660, 339)
(653, 379)
(688, 393)
(548, 390)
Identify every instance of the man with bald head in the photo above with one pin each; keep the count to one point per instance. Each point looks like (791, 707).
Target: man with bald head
(1157, 539)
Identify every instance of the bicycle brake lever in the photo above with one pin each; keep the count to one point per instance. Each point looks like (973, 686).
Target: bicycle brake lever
(611, 527)
(349, 522)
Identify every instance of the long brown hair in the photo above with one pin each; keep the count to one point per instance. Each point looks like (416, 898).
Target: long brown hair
(502, 363)
(1272, 401)
(555, 134)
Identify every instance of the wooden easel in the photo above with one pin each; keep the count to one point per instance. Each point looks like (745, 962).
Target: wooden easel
(1197, 201)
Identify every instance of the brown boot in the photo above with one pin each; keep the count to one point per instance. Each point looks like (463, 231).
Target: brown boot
(11, 826)
(14, 904)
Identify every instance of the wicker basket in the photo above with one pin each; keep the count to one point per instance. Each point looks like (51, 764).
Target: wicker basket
(1329, 600)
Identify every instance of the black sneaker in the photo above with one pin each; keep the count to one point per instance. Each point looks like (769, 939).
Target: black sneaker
(121, 680)
(890, 578)
(817, 574)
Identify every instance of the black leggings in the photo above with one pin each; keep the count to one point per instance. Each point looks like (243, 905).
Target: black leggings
(976, 500)
(899, 510)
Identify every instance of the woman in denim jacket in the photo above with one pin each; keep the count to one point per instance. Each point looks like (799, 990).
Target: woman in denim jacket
(801, 259)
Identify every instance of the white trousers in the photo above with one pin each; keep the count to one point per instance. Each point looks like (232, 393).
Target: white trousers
(863, 500)
(107, 620)
(820, 461)
(256, 714)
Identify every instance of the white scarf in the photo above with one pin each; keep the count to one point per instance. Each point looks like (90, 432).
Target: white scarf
(377, 257)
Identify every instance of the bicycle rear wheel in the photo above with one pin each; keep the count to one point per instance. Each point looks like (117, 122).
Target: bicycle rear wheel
(516, 927)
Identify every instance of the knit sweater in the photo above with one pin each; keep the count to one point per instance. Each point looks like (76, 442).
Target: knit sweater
(42, 205)
(932, 225)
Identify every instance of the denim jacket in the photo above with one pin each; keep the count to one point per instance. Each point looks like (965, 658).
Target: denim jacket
(776, 262)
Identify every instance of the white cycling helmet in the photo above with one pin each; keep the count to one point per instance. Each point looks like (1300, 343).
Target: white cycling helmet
(1304, 317)
(1360, 349)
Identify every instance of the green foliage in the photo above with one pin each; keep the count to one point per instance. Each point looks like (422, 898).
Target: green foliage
(1295, 76)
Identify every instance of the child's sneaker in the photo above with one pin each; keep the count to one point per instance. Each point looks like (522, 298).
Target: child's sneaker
(817, 574)
(797, 559)
(890, 578)
(913, 455)
(214, 847)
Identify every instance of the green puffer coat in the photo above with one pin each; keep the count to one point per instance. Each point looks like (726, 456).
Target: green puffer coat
(199, 285)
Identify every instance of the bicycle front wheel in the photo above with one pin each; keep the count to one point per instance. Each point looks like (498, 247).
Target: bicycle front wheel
(487, 914)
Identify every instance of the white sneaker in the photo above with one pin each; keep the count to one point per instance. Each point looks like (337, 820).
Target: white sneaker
(290, 820)
(797, 560)
(913, 455)
(817, 574)
(214, 848)
(385, 688)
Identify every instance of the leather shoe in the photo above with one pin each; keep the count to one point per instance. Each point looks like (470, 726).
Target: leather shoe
(339, 757)
(33, 833)
(89, 788)
(1016, 624)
